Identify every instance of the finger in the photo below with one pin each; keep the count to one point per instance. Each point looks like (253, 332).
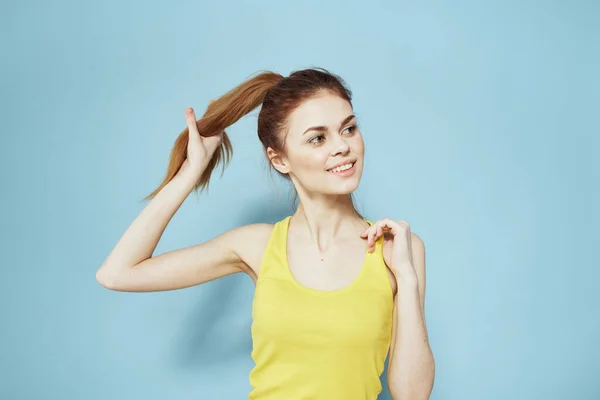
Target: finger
(391, 226)
(190, 119)
(364, 234)
(372, 238)
(378, 233)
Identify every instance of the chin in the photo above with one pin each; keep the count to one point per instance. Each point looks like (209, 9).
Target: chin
(345, 187)
(345, 184)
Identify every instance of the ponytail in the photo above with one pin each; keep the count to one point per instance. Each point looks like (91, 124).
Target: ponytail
(220, 114)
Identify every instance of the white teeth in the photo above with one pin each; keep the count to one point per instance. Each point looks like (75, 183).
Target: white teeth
(342, 167)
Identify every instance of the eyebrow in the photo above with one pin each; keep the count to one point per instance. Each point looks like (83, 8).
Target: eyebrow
(324, 128)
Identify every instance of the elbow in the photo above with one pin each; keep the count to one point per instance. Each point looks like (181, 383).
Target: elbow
(105, 278)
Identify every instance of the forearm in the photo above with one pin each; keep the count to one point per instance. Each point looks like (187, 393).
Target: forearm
(141, 238)
(411, 368)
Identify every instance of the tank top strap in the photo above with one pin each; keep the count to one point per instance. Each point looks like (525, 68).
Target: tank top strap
(274, 258)
(377, 277)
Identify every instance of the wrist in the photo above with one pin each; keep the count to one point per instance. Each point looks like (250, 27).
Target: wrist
(186, 180)
(407, 280)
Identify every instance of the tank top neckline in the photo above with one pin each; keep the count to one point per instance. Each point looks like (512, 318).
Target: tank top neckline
(321, 292)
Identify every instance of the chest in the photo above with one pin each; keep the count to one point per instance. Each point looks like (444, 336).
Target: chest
(333, 269)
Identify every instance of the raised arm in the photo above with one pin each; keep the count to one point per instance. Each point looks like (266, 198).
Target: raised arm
(131, 267)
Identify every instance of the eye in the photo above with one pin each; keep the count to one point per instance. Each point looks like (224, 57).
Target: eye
(351, 129)
(314, 139)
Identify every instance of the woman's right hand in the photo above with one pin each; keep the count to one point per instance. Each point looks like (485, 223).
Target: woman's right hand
(199, 149)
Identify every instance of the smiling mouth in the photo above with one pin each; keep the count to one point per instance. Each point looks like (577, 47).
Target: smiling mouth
(342, 168)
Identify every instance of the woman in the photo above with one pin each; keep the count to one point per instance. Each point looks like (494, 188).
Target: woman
(334, 292)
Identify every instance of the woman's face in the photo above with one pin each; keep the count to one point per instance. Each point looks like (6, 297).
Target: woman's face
(322, 135)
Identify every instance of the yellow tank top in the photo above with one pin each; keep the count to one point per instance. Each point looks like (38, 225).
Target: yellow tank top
(315, 344)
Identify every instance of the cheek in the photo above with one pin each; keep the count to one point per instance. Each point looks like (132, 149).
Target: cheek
(303, 164)
(314, 160)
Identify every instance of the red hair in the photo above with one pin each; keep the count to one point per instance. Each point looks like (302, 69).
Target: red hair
(279, 97)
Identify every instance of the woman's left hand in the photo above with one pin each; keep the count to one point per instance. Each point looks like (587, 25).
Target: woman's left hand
(396, 234)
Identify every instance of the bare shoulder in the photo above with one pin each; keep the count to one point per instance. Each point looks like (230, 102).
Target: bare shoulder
(250, 242)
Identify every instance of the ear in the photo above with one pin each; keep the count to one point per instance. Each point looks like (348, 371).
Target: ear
(278, 161)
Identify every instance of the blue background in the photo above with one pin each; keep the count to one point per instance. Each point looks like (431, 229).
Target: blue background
(478, 119)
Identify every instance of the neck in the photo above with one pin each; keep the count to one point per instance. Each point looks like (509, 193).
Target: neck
(323, 219)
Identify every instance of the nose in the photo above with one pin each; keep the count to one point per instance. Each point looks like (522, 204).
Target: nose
(340, 147)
